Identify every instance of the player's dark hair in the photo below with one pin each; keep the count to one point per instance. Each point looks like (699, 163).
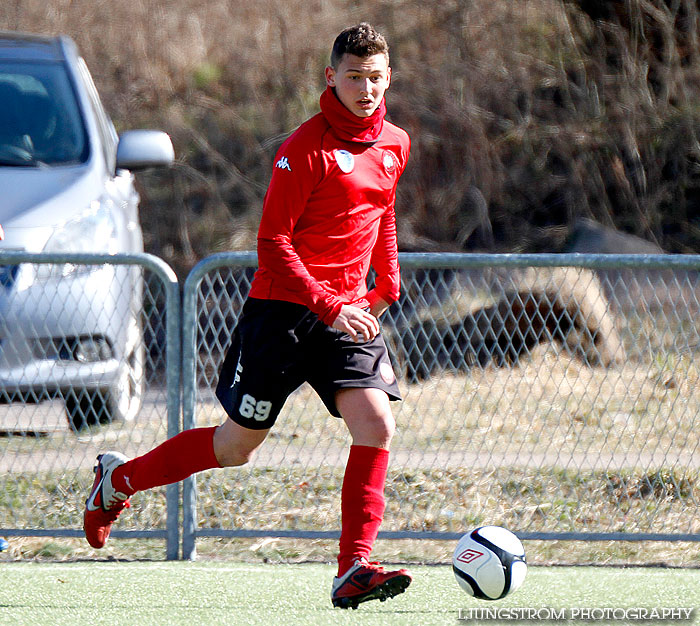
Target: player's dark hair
(360, 41)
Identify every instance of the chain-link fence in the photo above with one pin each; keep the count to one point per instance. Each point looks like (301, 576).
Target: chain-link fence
(89, 361)
(556, 395)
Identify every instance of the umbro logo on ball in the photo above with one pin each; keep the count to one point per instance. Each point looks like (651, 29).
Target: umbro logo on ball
(469, 555)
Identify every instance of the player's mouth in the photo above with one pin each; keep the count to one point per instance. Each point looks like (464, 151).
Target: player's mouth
(365, 104)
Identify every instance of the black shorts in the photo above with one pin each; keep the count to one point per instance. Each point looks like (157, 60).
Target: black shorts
(277, 346)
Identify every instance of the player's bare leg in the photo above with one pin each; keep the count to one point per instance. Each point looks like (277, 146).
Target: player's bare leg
(368, 416)
(235, 445)
(117, 478)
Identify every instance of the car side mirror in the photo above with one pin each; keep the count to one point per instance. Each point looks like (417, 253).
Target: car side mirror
(141, 149)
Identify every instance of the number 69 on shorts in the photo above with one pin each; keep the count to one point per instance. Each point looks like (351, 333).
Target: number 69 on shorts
(254, 409)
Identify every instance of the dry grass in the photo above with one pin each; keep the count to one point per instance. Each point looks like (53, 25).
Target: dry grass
(281, 550)
(579, 115)
(548, 446)
(551, 407)
(587, 112)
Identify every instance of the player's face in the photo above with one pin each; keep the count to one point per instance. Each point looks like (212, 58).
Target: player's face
(360, 82)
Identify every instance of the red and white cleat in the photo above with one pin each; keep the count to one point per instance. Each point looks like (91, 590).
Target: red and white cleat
(367, 581)
(104, 503)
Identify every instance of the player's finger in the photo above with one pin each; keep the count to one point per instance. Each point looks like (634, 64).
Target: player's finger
(369, 333)
(375, 324)
(369, 329)
(354, 330)
(359, 324)
(359, 332)
(372, 325)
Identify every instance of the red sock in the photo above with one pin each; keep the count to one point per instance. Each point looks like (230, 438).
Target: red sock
(172, 461)
(362, 503)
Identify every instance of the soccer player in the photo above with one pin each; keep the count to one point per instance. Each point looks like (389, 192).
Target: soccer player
(327, 216)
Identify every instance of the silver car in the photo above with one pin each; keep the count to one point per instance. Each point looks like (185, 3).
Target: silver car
(69, 331)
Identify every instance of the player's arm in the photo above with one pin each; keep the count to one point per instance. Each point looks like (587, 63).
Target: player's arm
(293, 180)
(385, 255)
(385, 261)
(362, 325)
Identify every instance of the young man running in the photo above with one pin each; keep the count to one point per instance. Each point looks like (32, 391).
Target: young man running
(328, 215)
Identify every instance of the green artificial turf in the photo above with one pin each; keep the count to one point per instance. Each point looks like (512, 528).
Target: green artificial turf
(203, 594)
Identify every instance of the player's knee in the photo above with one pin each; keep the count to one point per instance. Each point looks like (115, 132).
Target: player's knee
(368, 415)
(235, 445)
(386, 430)
(377, 431)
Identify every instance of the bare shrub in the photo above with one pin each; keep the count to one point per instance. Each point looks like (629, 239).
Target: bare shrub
(525, 116)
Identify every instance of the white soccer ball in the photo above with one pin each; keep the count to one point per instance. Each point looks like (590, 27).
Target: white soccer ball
(489, 563)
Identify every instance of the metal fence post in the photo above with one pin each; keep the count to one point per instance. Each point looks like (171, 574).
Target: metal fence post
(189, 383)
(189, 391)
(173, 381)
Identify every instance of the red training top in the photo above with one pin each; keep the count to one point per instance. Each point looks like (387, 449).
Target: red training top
(329, 212)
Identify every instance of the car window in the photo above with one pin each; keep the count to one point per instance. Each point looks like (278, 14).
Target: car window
(40, 121)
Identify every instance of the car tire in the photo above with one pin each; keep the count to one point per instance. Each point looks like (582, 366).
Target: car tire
(120, 402)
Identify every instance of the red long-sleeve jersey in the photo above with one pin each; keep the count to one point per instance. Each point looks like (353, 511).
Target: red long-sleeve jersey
(327, 216)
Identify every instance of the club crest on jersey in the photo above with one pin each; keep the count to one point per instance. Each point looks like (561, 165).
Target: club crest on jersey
(388, 161)
(345, 160)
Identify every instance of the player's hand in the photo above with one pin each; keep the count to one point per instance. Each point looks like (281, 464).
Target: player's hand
(361, 325)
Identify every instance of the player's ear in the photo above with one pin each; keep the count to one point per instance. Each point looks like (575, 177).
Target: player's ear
(330, 76)
(388, 77)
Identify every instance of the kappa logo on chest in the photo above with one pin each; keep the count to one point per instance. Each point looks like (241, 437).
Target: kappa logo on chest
(283, 164)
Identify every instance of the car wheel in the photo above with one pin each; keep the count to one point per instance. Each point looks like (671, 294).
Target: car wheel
(122, 400)
(126, 395)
